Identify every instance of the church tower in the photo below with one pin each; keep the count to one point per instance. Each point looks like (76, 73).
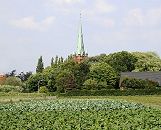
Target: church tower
(80, 54)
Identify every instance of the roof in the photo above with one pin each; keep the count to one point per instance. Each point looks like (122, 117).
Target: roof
(154, 76)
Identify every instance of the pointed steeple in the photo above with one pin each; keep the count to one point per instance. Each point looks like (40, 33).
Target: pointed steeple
(80, 54)
(80, 44)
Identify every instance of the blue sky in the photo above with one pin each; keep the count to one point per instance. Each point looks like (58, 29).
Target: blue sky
(31, 28)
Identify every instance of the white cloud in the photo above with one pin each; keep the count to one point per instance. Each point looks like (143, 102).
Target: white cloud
(97, 11)
(64, 6)
(101, 6)
(29, 23)
(154, 16)
(104, 22)
(134, 18)
(108, 23)
(64, 2)
(148, 18)
(91, 7)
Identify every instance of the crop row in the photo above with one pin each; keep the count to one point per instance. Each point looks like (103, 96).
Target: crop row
(72, 104)
(78, 115)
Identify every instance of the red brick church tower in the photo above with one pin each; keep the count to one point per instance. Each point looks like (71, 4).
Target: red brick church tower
(80, 54)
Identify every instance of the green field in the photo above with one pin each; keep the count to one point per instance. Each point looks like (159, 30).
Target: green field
(154, 100)
(17, 97)
(39, 111)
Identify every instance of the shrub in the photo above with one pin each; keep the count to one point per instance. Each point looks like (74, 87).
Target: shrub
(112, 92)
(93, 84)
(43, 89)
(13, 81)
(90, 84)
(35, 81)
(139, 84)
(9, 88)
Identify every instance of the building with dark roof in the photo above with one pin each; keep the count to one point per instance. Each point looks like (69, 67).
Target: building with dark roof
(154, 76)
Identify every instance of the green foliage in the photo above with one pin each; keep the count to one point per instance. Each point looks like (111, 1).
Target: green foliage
(90, 84)
(99, 58)
(147, 61)
(93, 84)
(95, 73)
(80, 73)
(13, 81)
(9, 88)
(52, 61)
(78, 114)
(65, 80)
(102, 72)
(112, 92)
(35, 81)
(43, 89)
(24, 76)
(122, 61)
(139, 84)
(51, 85)
(56, 59)
(40, 65)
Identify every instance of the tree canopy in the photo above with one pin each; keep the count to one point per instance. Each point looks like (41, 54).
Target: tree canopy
(122, 61)
(97, 72)
(147, 61)
(40, 65)
(102, 72)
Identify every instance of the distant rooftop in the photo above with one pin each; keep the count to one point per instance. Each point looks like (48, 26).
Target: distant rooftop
(154, 76)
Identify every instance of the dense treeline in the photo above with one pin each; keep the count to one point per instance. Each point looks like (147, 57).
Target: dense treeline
(100, 72)
(95, 73)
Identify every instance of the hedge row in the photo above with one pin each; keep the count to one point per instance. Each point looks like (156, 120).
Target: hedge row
(112, 92)
(9, 88)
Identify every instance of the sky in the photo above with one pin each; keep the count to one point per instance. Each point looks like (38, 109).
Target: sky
(33, 28)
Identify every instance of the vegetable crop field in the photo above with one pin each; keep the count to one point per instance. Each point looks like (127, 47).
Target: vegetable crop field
(78, 114)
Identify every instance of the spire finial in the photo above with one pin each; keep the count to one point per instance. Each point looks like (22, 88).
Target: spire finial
(80, 16)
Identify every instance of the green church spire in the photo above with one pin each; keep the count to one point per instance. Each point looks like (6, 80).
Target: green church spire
(80, 44)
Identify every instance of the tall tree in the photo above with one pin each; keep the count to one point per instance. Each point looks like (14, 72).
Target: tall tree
(62, 60)
(52, 61)
(56, 59)
(59, 61)
(40, 65)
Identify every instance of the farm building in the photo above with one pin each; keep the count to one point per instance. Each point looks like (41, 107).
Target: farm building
(154, 76)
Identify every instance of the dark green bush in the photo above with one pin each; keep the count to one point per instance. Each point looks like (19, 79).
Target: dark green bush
(139, 84)
(93, 84)
(112, 92)
(35, 81)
